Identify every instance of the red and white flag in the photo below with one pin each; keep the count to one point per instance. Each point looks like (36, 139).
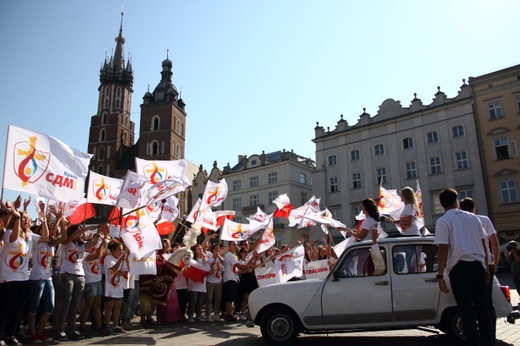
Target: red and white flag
(215, 193)
(325, 217)
(83, 211)
(289, 264)
(42, 165)
(237, 231)
(259, 216)
(102, 189)
(158, 170)
(164, 189)
(390, 203)
(139, 233)
(283, 206)
(198, 212)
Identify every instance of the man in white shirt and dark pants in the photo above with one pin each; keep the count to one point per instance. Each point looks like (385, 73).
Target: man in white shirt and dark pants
(463, 257)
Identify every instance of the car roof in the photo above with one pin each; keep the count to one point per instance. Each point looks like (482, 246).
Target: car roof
(396, 240)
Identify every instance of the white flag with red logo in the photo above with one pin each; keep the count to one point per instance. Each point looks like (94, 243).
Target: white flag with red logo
(139, 233)
(237, 231)
(289, 264)
(198, 212)
(259, 216)
(215, 193)
(158, 170)
(42, 165)
(130, 193)
(316, 269)
(265, 276)
(102, 189)
(267, 240)
(164, 189)
(390, 203)
(325, 217)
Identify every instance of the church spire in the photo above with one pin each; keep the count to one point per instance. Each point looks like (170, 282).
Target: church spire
(119, 59)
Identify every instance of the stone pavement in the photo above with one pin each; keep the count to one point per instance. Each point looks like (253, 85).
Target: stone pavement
(234, 334)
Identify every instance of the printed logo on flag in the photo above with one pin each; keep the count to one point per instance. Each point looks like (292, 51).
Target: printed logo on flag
(30, 163)
(101, 189)
(154, 207)
(212, 196)
(155, 173)
(239, 233)
(131, 222)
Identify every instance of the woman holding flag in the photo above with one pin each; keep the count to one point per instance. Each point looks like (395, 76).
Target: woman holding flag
(408, 219)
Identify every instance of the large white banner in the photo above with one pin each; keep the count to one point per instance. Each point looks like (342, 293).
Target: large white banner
(144, 265)
(42, 165)
(139, 233)
(265, 276)
(289, 264)
(158, 170)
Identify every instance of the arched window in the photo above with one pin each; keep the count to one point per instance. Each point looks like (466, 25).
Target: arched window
(102, 135)
(100, 170)
(108, 170)
(101, 155)
(108, 152)
(154, 148)
(156, 124)
(104, 117)
(118, 97)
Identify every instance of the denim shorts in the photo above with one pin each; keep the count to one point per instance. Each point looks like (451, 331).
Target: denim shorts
(41, 293)
(93, 289)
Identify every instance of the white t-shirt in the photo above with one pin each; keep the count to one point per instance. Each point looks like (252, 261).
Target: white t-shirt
(217, 267)
(463, 232)
(413, 229)
(229, 271)
(93, 272)
(72, 256)
(41, 255)
(113, 281)
(490, 230)
(368, 224)
(15, 257)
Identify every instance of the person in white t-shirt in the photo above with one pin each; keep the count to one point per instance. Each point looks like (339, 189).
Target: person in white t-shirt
(214, 283)
(369, 208)
(14, 275)
(408, 218)
(463, 256)
(114, 262)
(197, 288)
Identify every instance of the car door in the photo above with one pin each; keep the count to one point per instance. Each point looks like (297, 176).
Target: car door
(352, 297)
(415, 291)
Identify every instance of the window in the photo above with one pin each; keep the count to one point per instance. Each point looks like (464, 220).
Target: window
(357, 263)
(102, 135)
(432, 137)
(495, 110)
(381, 175)
(457, 131)
(271, 196)
(465, 193)
(501, 148)
(508, 191)
(272, 178)
(379, 149)
(356, 180)
(354, 155)
(408, 143)
(410, 259)
(154, 148)
(104, 118)
(335, 213)
(303, 178)
(332, 160)
(334, 187)
(101, 154)
(155, 123)
(237, 203)
(356, 210)
(237, 185)
(254, 200)
(461, 159)
(101, 170)
(411, 172)
(518, 104)
(253, 181)
(435, 165)
(303, 198)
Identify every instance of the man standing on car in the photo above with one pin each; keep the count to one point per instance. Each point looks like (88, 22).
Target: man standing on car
(467, 204)
(463, 255)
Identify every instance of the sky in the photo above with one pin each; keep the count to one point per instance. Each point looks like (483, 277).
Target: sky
(255, 75)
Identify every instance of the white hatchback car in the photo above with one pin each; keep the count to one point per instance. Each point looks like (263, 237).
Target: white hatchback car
(406, 295)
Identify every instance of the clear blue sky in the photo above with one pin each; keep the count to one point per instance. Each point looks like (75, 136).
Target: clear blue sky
(255, 75)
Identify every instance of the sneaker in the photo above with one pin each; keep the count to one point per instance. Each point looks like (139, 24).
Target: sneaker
(119, 330)
(75, 335)
(190, 320)
(35, 339)
(210, 319)
(45, 338)
(243, 318)
(217, 318)
(61, 336)
(12, 341)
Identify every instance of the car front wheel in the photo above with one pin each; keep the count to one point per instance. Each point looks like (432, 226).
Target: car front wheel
(279, 325)
(452, 324)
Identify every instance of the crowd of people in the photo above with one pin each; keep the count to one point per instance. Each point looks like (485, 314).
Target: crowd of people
(57, 279)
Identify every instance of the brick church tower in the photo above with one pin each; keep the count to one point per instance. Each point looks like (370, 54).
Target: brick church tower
(111, 130)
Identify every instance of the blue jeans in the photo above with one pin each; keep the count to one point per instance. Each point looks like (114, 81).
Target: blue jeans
(41, 292)
(130, 302)
(70, 289)
(469, 289)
